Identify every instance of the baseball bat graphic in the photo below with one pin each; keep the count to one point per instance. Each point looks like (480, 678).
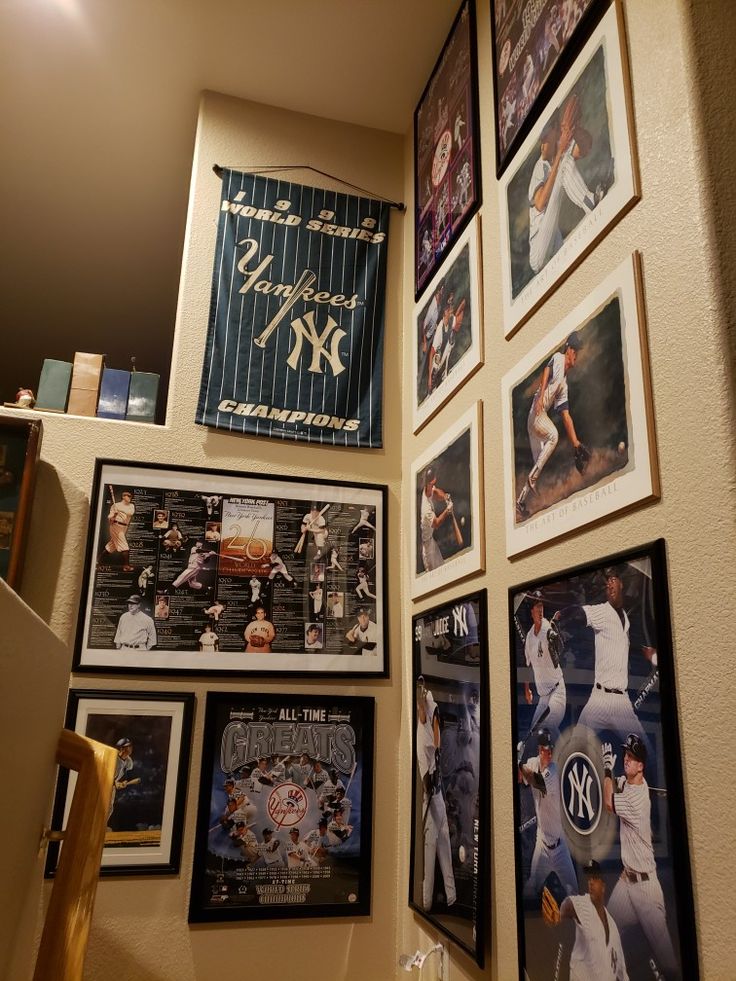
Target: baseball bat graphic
(456, 529)
(536, 725)
(300, 543)
(305, 280)
(112, 494)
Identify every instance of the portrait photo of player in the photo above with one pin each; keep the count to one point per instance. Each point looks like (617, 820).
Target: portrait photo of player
(161, 609)
(336, 605)
(160, 519)
(313, 637)
(577, 417)
(259, 634)
(448, 327)
(597, 774)
(136, 629)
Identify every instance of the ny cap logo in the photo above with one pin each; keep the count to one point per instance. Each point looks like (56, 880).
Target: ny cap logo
(318, 341)
(581, 793)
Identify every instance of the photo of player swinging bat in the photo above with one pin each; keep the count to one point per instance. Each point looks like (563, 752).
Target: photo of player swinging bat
(310, 527)
(304, 282)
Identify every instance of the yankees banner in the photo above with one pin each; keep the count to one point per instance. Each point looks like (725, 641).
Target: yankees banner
(295, 336)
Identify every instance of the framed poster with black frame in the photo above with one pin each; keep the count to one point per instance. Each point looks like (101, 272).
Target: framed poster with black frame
(285, 808)
(447, 189)
(450, 759)
(152, 733)
(533, 45)
(218, 572)
(603, 878)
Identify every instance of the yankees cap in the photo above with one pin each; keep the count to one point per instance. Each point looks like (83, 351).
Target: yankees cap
(267, 831)
(535, 597)
(574, 341)
(134, 598)
(293, 831)
(430, 474)
(544, 738)
(635, 745)
(123, 742)
(616, 571)
(592, 868)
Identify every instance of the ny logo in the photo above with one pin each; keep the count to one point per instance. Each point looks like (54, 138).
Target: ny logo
(581, 784)
(318, 341)
(460, 621)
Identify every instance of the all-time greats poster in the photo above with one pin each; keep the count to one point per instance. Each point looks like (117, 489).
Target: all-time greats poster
(295, 335)
(284, 825)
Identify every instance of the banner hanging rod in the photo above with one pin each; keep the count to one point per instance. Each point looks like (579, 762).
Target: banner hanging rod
(399, 205)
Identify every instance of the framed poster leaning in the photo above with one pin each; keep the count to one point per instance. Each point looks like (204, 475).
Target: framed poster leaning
(285, 807)
(191, 570)
(602, 867)
(449, 839)
(446, 149)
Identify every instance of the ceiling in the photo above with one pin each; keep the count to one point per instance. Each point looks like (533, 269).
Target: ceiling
(98, 101)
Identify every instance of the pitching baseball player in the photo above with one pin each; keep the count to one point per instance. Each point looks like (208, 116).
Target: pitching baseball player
(365, 632)
(436, 830)
(551, 853)
(429, 522)
(334, 565)
(363, 521)
(198, 559)
(144, 578)
(118, 520)
(123, 765)
(551, 395)
(135, 628)
(297, 853)
(545, 667)
(215, 610)
(259, 634)
(209, 642)
(278, 568)
(363, 588)
(637, 896)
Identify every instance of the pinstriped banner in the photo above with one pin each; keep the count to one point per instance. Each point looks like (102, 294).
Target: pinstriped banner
(295, 334)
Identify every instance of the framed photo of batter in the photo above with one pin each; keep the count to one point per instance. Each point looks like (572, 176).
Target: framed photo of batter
(448, 328)
(574, 177)
(578, 418)
(151, 732)
(446, 149)
(450, 818)
(285, 808)
(218, 572)
(603, 882)
(447, 525)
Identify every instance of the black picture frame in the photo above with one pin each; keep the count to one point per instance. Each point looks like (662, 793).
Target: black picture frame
(642, 842)
(139, 716)
(210, 580)
(501, 51)
(450, 655)
(20, 448)
(447, 159)
(243, 874)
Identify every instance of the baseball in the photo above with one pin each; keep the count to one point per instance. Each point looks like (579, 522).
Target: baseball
(461, 854)
(621, 446)
(462, 521)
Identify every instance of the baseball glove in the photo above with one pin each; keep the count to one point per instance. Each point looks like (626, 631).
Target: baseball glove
(550, 908)
(554, 643)
(256, 641)
(582, 457)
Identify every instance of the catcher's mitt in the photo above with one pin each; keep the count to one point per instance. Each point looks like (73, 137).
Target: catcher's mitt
(550, 908)
(255, 640)
(582, 457)
(554, 643)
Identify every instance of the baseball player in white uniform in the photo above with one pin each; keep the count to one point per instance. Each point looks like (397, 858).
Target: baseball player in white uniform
(363, 521)
(269, 850)
(215, 610)
(432, 557)
(365, 633)
(463, 182)
(118, 519)
(145, 577)
(597, 952)
(637, 896)
(363, 588)
(255, 589)
(313, 522)
(551, 395)
(259, 634)
(436, 830)
(458, 130)
(334, 565)
(208, 640)
(123, 765)
(198, 558)
(551, 853)
(297, 853)
(338, 825)
(135, 628)
(316, 596)
(278, 568)
(547, 672)
(432, 316)
(210, 502)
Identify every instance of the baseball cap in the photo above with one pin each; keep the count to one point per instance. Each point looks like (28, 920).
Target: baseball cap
(544, 738)
(592, 868)
(123, 742)
(294, 831)
(267, 831)
(430, 474)
(614, 570)
(635, 745)
(535, 597)
(134, 598)
(362, 610)
(574, 341)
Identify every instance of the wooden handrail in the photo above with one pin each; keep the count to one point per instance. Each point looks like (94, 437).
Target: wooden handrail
(66, 930)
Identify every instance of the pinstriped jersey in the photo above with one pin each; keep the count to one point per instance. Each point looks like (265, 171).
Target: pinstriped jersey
(632, 804)
(611, 645)
(592, 956)
(547, 805)
(536, 653)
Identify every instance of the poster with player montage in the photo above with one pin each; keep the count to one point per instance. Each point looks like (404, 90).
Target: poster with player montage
(578, 418)
(450, 817)
(192, 570)
(151, 733)
(603, 885)
(285, 808)
(448, 328)
(533, 42)
(447, 149)
(446, 521)
(574, 177)
(295, 335)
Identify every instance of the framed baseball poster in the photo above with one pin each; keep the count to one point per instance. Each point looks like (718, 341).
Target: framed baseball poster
(575, 176)
(20, 446)
(533, 45)
(284, 822)
(448, 328)
(447, 149)
(450, 818)
(578, 418)
(191, 570)
(603, 881)
(151, 732)
(447, 528)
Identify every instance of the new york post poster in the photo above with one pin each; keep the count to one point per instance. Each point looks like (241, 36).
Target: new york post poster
(284, 822)
(295, 335)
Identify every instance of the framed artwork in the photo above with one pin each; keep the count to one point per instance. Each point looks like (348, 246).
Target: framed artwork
(575, 176)
(448, 328)
(152, 734)
(190, 570)
(284, 822)
(447, 149)
(533, 45)
(578, 419)
(603, 880)
(20, 447)
(447, 526)
(450, 818)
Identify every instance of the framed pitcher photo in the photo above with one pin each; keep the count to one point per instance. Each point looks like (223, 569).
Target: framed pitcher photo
(603, 883)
